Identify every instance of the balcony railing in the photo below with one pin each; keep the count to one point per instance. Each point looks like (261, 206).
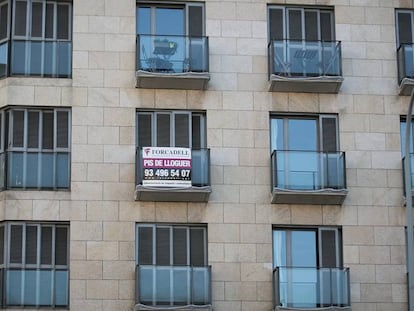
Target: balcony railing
(174, 62)
(405, 62)
(36, 58)
(308, 174)
(309, 287)
(200, 171)
(37, 170)
(173, 285)
(172, 54)
(411, 173)
(314, 66)
(45, 287)
(200, 181)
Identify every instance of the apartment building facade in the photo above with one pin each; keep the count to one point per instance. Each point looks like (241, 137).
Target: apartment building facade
(227, 155)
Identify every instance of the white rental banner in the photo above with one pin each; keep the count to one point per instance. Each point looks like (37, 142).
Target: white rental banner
(166, 167)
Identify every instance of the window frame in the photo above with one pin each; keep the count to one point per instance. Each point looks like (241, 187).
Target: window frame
(319, 128)
(172, 134)
(303, 9)
(153, 5)
(171, 228)
(29, 13)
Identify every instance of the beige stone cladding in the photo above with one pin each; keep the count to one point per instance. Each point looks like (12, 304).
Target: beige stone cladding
(100, 205)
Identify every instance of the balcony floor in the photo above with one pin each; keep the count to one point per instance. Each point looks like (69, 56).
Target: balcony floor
(318, 197)
(193, 194)
(332, 308)
(161, 80)
(321, 84)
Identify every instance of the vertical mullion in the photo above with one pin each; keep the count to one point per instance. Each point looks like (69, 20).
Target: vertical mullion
(25, 149)
(40, 150)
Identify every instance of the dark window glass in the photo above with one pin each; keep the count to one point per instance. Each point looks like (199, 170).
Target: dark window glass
(16, 240)
(144, 130)
(20, 18)
(31, 244)
(163, 246)
(61, 246)
(311, 25)
(47, 128)
(182, 131)
(46, 246)
(404, 28)
(62, 136)
(197, 247)
(63, 22)
(4, 22)
(196, 131)
(328, 244)
(329, 135)
(295, 24)
(163, 130)
(37, 19)
(1, 245)
(276, 24)
(326, 26)
(49, 22)
(195, 21)
(145, 244)
(33, 129)
(18, 128)
(180, 246)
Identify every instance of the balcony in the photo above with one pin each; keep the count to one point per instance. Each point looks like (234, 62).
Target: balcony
(200, 181)
(172, 62)
(305, 66)
(37, 288)
(308, 177)
(299, 288)
(160, 287)
(405, 59)
(36, 58)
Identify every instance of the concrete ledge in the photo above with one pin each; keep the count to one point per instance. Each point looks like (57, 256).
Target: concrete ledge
(320, 197)
(321, 84)
(193, 194)
(406, 86)
(161, 80)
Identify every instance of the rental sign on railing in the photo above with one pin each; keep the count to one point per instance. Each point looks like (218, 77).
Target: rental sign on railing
(166, 167)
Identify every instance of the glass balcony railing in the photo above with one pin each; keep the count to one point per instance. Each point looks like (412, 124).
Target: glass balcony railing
(45, 287)
(36, 58)
(405, 61)
(309, 287)
(200, 170)
(172, 54)
(38, 170)
(308, 170)
(173, 285)
(301, 59)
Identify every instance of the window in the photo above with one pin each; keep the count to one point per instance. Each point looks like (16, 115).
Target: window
(302, 44)
(41, 35)
(172, 265)
(311, 161)
(404, 20)
(171, 37)
(35, 144)
(34, 262)
(171, 129)
(308, 267)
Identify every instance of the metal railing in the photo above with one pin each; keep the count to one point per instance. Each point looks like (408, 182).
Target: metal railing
(36, 170)
(172, 54)
(311, 287)
(35, 287)
(405, 61)
(411, 155)
(36, 58)
(308, 170)
(173, 285)
(200, 170)
(302, 59)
